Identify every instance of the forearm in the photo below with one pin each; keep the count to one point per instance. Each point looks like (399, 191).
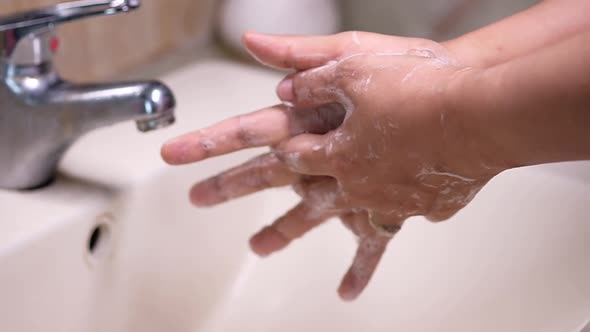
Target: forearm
(534, 109)
(522, 33)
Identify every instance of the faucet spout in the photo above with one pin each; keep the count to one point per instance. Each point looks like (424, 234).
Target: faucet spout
(86, 107)
(42, 115)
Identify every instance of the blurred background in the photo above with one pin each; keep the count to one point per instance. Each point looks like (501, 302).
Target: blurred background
(107, 47)
(165, 268)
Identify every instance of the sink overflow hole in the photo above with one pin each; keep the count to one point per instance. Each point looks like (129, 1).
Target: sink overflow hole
(98, 239)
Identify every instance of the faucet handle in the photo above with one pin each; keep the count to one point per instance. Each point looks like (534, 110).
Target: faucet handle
(26, 38)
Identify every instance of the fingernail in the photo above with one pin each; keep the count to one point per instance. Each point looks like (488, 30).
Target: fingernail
(253, 42)
(257, 37)
(285, 90)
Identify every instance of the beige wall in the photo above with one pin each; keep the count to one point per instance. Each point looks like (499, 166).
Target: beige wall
(426, 18)
(99, 48)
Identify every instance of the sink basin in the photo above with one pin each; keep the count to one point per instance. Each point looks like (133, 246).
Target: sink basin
(114, 245)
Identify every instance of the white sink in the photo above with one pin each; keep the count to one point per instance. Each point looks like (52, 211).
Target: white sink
(517, 259)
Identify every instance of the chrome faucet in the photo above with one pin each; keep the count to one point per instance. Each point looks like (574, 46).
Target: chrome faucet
(41, 114)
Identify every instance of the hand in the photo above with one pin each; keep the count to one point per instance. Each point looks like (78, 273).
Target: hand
(370, 136)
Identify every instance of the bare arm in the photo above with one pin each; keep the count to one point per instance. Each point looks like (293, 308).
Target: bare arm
(544, 24)
(535, 109)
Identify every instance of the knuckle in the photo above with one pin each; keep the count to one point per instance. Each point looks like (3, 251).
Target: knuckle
(440, 215)
(351, 37)
(343, 39)
(433, 218)
(284, 151)
(295, 161)
(444, 208)
(349, 73)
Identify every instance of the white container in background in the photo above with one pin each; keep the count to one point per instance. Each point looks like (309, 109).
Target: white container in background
(302, 17)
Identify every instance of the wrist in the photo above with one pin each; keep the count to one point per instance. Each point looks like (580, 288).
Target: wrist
(471, 101)
(518, 116)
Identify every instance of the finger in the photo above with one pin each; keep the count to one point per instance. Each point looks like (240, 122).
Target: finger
(261, 128)
(366, 260)
(318, 120)
(321, 201)
(305, 154)
(293, 52)
(312, 88)
(293, 225)
(370, 250)
(305, 52)
(441, 215)
(258, 174)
